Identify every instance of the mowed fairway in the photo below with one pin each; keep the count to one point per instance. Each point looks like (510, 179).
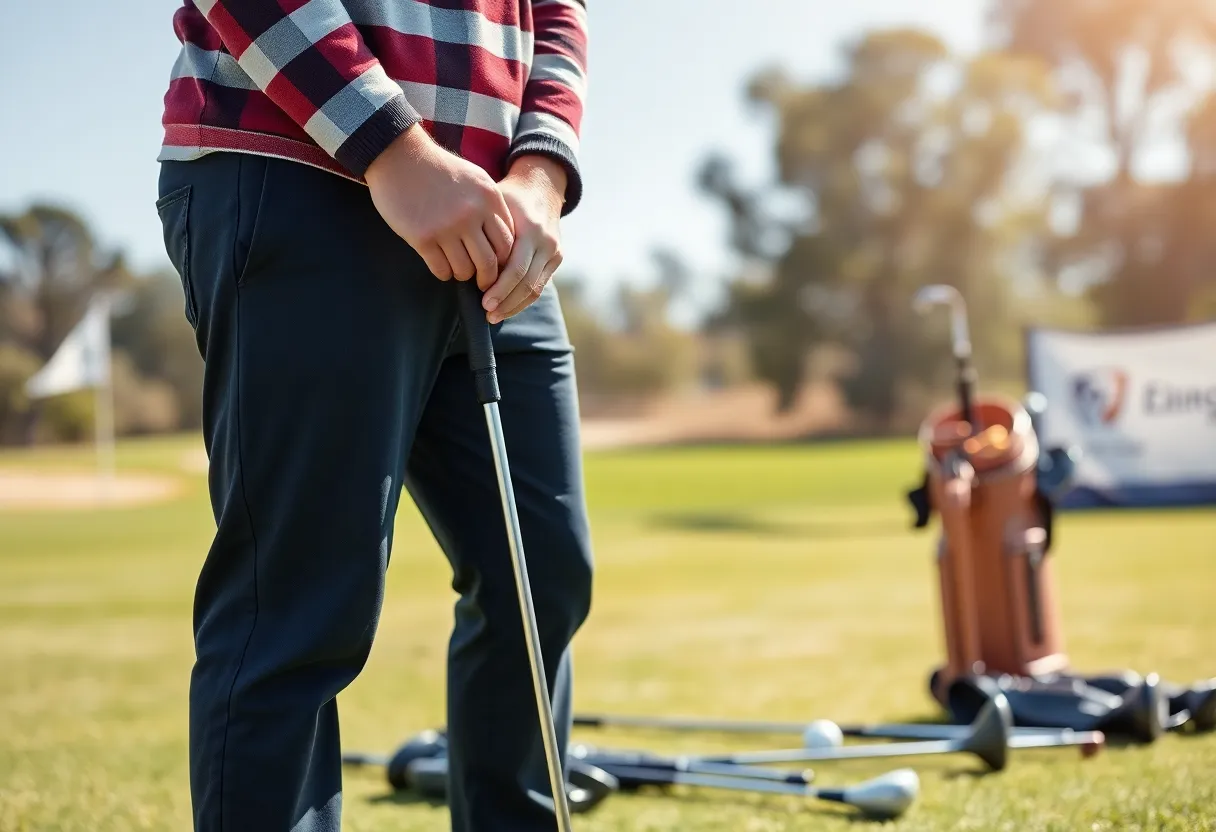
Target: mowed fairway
(774, 583)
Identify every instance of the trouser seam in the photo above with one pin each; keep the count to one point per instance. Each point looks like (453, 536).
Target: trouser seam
(240, 467)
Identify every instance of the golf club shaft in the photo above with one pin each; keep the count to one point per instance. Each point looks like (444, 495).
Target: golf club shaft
(481, 361)
(1018, 737)
(356, 758)
(660, 776)
(613, 759)
(723, 726)
(689, 724)
(524, 590)
(855, 752)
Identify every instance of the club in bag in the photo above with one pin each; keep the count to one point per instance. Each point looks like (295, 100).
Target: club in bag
(940, 294)
(485, 377)
(988, 739)
(884, 797)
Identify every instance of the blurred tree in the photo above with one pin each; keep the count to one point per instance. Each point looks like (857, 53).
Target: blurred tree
(627, 349)
(905, 171)
(1138, 76)
(160, 343)
(16, 367)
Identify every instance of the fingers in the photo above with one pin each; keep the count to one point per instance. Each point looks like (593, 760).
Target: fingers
(501, 236)
(502, 214)
(454, 250)
(527, 290)
(483, 256)
(512, 273)
(436, 261)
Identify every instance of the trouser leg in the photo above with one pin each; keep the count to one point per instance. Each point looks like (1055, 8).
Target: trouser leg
(322, 334)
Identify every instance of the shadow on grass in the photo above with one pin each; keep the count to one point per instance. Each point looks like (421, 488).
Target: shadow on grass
(713, 797)
(967, 773)
(724, 522)
(408, 797)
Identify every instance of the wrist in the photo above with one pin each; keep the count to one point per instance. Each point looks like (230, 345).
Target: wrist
(408, 149)
(542, 172)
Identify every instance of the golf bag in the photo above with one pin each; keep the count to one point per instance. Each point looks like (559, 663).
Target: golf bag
(998, 597)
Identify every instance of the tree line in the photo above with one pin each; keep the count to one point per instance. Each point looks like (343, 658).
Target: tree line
(1064, 175)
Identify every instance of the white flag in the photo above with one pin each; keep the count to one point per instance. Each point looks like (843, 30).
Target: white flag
(82, 360)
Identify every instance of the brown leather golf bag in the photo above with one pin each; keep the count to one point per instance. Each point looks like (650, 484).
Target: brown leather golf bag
(998, 597)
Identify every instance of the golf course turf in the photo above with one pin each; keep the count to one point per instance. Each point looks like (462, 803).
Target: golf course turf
(777, 583)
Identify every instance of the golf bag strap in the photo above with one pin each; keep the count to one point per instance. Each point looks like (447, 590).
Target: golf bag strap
(1047, 513)
(921, 503)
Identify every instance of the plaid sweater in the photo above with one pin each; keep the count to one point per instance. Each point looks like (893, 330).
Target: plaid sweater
(331, 83)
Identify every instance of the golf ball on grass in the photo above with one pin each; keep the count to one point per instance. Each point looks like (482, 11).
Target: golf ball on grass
(822, 733)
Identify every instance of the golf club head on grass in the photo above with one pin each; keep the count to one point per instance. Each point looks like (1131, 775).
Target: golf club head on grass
(887, 796)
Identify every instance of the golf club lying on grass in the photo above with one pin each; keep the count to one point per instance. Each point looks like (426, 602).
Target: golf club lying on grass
(428, 744)
(886, 796)
(823, 733)
(588, 785)
(988, 739)
(485, 377)
(611, 759)
(420, 764)
(1140, 712)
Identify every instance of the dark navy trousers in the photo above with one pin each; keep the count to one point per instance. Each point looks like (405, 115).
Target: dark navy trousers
(335, 377)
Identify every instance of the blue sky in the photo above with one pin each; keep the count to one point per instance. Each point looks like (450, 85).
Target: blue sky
(80, 107)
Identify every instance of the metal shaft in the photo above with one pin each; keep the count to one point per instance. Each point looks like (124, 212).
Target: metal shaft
(851, 752)
(736, 782)
(611, 760)
(557, 780)
(726, 726)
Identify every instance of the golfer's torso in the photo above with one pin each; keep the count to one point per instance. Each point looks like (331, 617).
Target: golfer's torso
(464, 70)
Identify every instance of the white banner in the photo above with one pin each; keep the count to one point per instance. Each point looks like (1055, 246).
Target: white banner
(82, 360)
(1141, 406)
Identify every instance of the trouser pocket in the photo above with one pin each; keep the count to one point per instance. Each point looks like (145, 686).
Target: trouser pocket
(174, 211)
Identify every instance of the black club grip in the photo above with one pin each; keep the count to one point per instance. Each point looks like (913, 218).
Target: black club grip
(481, 348)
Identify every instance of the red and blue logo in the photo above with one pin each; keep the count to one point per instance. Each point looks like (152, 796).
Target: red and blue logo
(1099, 396)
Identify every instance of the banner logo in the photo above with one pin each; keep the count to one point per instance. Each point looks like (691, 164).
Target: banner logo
(1099, 396)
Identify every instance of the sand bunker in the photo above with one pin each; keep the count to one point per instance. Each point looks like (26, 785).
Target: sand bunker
(47, 491)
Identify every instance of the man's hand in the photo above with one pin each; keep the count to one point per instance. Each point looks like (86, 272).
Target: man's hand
(447, 209)
(534, 192)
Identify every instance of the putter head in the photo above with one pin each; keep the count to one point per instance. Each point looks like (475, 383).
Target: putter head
(886, 796)
(990, 732)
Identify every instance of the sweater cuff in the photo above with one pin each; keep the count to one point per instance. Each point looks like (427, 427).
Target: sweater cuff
(374, 135)
(557, 150)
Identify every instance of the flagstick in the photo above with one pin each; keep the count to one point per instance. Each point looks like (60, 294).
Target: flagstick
(104, 420)
(104, 413)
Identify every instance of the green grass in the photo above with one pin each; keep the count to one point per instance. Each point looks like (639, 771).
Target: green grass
(775, 583)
